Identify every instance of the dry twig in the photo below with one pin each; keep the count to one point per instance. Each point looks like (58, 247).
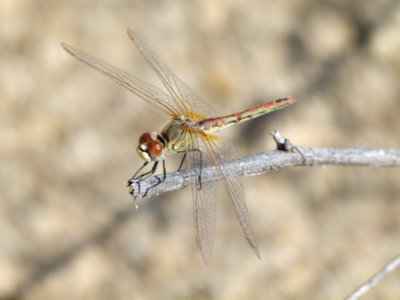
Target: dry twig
(272, 160)
(365, 287)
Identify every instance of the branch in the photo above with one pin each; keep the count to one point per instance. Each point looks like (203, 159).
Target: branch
(271, 160)
(365, 287)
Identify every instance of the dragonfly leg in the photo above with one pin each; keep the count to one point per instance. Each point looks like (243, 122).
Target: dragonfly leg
(159, 181)
(137, 172)
(182, 161)
(137, 179)
(200, 165)
(148, 174)
(200, 168)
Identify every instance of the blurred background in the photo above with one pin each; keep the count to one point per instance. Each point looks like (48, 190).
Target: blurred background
(68, 227)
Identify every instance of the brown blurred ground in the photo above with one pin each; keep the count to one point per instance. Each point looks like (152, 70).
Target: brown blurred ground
(68, 229)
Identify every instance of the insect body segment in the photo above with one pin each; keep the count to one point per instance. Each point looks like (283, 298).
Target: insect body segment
(213, 125)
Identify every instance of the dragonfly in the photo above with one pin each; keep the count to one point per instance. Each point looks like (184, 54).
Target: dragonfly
(190, 131)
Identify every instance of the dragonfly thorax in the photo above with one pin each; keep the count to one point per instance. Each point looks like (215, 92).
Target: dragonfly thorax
(185, 121)
(151, 147)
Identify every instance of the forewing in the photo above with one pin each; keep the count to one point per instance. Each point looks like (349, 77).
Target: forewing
(152, 94)
(186, 99)
(218, 153)
(204, 204)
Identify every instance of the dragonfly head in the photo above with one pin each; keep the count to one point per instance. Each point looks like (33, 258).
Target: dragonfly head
(149, 148)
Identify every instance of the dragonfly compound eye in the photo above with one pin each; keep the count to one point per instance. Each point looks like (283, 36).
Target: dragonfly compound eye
(149, 148)
(154, 149)
(145, 138)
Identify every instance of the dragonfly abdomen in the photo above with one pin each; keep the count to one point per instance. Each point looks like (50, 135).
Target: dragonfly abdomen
(213, 125)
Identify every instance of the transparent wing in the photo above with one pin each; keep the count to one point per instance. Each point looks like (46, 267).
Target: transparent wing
(186, 99)
(204, 204)
(219, 152)
(152, 94)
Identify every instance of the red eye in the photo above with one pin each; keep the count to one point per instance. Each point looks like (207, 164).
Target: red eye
(154, 149)
(148, 144)
(145, 138)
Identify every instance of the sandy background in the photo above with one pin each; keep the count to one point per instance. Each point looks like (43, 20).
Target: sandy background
(68, 228)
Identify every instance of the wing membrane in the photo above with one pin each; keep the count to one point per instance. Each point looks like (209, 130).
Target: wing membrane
(186, 99)
(233, 187)
(150, 93)
(204, 204)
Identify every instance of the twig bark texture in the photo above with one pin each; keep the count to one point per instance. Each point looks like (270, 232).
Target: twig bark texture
(272, 160)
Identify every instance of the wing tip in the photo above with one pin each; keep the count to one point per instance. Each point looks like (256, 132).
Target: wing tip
(131, 33)
(206, 255)
(206, 260)
(253, 244)
(67, 48)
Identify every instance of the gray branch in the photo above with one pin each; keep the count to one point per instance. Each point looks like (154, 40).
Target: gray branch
(365, 287)
(272, 160)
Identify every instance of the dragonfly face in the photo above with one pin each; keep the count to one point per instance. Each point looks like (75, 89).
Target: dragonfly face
(150, 148)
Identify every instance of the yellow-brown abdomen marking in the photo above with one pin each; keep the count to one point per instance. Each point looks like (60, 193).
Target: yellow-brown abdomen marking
(212, 125)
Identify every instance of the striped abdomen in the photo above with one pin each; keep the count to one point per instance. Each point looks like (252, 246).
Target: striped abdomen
(212, 125)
